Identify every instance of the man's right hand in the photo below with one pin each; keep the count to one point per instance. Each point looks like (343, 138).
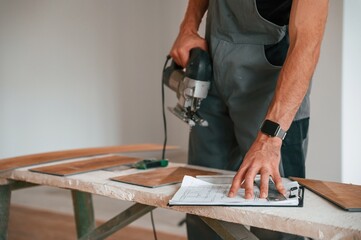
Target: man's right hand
(188, 36)
(185, 41)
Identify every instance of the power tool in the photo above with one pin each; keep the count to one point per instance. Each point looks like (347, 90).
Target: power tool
(191, 85)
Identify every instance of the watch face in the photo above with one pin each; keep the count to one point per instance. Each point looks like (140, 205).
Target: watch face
(270, 128)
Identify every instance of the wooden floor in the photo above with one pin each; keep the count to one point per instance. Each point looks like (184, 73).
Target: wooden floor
(26, 223)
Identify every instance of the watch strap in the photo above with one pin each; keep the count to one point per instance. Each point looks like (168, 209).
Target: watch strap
(281, 133)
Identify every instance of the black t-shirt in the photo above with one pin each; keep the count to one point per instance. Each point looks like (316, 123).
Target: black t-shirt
(276, 11)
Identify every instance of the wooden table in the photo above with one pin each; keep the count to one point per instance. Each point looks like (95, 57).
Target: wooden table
(318, 219)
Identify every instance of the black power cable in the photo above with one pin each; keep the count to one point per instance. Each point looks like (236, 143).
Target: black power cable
(165, 140)
(163, 108)
(153, 225)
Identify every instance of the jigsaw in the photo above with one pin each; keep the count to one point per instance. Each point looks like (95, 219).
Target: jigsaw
(191, 85)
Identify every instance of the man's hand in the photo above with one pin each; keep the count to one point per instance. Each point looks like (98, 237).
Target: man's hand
(263, 157)
(188, 36)
(185, 41)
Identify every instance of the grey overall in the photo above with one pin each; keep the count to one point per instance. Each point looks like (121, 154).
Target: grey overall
(241, 43)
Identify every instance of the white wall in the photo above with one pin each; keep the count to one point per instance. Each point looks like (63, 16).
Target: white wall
(351, 97)
(336, 100)
(82, 73)
(87, 73)
(324, 156)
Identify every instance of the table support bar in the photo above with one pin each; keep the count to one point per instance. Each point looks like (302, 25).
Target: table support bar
(83, 212)
(121, 220)
(5, 195)
(228, 230)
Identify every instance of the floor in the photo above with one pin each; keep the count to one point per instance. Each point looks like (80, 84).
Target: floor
(25, 224)
(59, 201)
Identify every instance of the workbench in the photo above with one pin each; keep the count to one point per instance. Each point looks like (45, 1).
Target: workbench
(318, 218)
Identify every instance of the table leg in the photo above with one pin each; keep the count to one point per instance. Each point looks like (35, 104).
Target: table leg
(121, 220)
(228, 230)
(83, 212)
(5, 195)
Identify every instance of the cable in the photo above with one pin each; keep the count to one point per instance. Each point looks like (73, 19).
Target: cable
(164, 143)
(153, 225)
(164, 117)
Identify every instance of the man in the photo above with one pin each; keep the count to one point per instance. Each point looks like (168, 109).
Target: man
(264, 53)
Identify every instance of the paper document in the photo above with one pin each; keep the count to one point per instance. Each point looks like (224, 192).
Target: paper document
(194, 191)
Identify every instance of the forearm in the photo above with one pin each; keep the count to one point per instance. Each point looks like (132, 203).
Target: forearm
(193, 16)
(188, 36)
(307, 23)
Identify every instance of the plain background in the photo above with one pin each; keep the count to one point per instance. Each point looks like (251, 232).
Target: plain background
(87, 73)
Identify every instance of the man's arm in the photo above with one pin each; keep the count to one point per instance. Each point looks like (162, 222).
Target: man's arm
(306, 28)
(188, 36)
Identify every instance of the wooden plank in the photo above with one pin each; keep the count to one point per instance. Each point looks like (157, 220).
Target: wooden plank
(160, 177)
(346, 196)
(27, 160)
(65, 169)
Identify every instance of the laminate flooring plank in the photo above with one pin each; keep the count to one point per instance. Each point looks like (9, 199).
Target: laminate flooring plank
(65, 169)
(161, 176)
(346, 196)
(32, 159)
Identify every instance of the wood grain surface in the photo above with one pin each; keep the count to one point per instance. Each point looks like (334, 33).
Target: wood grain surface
(27, 160)
(161, 176)
(346, 196)
(64, 169)
(40, 224)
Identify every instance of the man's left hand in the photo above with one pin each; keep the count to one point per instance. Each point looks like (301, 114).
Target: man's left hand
(262, 158)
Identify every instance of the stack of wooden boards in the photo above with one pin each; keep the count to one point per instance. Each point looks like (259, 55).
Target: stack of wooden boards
(346, 196)
(99, 158)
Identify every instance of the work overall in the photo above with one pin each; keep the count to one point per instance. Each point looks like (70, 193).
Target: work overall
(242, 44)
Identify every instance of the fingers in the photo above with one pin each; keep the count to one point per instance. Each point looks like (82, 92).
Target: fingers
(279, 185)
(249, 183)
(236, 184)
(262, 158)
(264, 185)
(180, 56)
(244, 180)
(248, 187)
(265, 182)
(182, 46)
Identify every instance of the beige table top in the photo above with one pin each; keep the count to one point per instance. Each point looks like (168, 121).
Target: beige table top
(318, 218)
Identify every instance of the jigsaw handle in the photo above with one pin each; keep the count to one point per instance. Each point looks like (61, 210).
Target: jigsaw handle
(199, 66)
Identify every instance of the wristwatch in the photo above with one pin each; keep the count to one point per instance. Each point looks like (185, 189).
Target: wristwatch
(273, 129)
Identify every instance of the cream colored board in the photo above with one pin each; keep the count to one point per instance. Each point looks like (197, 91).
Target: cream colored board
(318, 218)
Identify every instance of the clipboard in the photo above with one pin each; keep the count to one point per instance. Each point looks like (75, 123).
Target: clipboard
(345, 196)
(202, 192)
